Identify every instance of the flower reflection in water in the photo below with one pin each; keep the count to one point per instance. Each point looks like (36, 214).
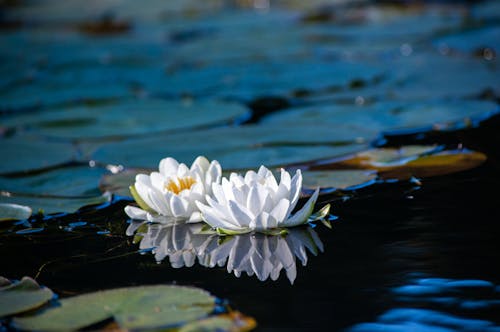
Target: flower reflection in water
(254, 254)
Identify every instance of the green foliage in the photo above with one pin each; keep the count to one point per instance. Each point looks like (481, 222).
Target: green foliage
(21, 296)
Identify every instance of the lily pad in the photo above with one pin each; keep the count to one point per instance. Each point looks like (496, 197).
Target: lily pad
(338, 179)
(403, 163)
(129, 117)
(441, 163)
(234, 147)
(21, 296)
(132, 308)
(231, 322)
(14, 212)
(53, 204)
(69, 181)
(384, 116)
(23, 154)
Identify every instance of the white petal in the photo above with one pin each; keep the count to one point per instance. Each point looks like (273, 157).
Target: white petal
(135, 213)
(157, 181)
(256, 198)
(237, 179)
(263, 221)
(239, 214)
(300, 217)
(179, 206)
(218, 193)
(263, 171)
(284, 186)
(183, 171)
(168, 166)
(295, 188)
(280, 211)
(213, 174)
(211, 218)
(227, 188)
(240, 194)
(251, 177)
(195, 217)
(201, 163)
(160, 204)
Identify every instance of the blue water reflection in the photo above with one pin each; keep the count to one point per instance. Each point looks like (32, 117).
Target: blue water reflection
(463, 297)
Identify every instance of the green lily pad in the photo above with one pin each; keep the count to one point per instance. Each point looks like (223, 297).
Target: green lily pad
(21, 296)
(70, 182)
(384, 116)
(22, 154)
(339, 179)
(132, 308)
(14, 212)
(127, 118)
(53, 204)
(234, 147)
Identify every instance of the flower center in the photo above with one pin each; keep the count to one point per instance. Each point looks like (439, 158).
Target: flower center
(180, 184)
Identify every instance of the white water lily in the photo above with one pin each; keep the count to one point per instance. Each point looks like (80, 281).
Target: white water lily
(256, 202)
(170, 195)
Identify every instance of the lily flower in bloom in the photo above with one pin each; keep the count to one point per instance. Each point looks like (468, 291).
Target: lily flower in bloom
(256, 202)
(170, 195)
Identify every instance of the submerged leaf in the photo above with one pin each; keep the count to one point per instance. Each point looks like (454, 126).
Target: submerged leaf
(22, 296)
(132, 308)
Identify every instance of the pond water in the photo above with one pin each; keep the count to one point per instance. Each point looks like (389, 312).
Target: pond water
(91, 94)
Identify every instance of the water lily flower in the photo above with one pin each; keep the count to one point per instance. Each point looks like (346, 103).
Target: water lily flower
(256, 202)
(170, 195)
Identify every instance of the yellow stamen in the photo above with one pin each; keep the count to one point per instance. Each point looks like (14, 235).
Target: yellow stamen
(181, 184)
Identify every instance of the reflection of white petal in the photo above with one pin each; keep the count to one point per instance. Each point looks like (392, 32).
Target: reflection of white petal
(252, 254)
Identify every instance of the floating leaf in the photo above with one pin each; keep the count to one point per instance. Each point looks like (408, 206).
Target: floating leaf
(22, 296)
(53, 204)
(22, 154)
(388, 157)
(231, 322)
(14, 212)
(129, 117)
(441, 163)
(132, 308)
(385, 116)
(400, 163)
(67, 181)
(234, 147)
(339, 179)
